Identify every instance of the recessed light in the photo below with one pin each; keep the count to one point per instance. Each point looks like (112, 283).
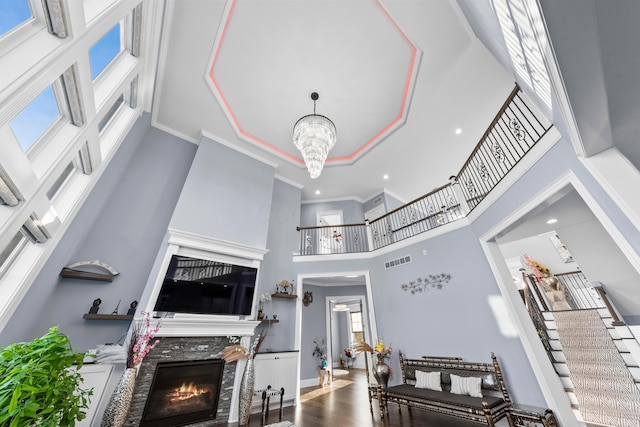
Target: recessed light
(458, 131)
(317, 192)
(552, 221)
(385, 176)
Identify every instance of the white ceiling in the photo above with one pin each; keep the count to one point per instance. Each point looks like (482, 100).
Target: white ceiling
(396, 77)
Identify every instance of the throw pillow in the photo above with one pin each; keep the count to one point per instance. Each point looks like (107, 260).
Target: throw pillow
(466, 385)
(429, 380)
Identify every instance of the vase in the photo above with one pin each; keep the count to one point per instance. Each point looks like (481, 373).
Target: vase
(118, 407)
(246, 392)
(382, 372)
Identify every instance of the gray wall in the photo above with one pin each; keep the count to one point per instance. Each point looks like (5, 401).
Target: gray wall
(277, 265)
(122, 223)
(227, 196)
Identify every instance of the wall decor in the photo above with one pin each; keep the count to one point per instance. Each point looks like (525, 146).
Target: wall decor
(308, 298)
(435, 281)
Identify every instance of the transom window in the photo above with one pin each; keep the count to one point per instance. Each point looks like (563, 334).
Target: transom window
(35, 118)
(105, 50)
(12, 14)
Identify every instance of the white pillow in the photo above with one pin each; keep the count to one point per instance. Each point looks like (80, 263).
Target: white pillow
(429, 380)
(466, 385)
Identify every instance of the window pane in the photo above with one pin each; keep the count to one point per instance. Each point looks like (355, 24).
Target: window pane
(61, 179)
(104, 51)
(35, 119)
(12, 14)
(110, 113)
(9, 251)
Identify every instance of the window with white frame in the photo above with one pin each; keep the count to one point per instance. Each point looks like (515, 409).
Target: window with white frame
(13, 13)
(357, 329)
(35, 119)
(105, 50)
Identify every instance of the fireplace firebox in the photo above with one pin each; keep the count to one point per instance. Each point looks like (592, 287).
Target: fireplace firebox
(183, 393)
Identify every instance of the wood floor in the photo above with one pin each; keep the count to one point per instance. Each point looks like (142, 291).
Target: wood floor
(344, 404)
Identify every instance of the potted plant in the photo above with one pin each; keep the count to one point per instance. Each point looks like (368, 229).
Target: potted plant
(320, 351)
(40, 383)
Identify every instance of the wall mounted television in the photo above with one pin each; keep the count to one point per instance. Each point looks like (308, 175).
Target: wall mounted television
(201, 286)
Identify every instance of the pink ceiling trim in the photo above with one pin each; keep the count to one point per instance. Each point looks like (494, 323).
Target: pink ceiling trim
(405, 94)
(298, 160)
(226, 103)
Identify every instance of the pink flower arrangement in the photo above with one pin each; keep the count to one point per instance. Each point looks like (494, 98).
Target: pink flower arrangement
(140, 341)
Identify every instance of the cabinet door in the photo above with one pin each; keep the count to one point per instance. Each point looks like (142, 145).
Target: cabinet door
(287, 372)
(265, 371)
(277, 370)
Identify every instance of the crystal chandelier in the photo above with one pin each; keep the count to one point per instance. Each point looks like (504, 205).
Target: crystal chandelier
(314, 135)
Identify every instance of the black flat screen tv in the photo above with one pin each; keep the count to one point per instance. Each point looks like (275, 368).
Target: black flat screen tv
(200, 286)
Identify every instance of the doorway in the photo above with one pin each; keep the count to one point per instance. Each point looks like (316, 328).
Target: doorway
(330, 237)
(313, 322)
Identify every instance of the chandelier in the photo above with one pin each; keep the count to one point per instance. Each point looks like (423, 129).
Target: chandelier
(314, 135)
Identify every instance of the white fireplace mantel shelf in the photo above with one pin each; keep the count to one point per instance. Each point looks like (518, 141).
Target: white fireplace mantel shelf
(204, 326)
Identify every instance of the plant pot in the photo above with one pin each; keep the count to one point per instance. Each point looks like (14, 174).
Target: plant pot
(116, 413)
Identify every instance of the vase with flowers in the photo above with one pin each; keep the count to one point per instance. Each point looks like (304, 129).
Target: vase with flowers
(234, 352)
(382, 371)
(141, 342)
(263, 298)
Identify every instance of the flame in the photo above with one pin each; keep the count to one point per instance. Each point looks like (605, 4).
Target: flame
(186, 391)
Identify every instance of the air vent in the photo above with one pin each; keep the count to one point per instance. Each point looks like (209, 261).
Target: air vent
(396, 262)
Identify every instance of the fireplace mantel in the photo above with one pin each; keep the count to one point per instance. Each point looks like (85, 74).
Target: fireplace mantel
(199, 326)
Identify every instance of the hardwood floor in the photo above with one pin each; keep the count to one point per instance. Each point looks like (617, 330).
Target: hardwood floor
(344, 403)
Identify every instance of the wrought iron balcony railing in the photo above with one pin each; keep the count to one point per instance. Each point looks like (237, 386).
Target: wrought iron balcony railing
(510, 136)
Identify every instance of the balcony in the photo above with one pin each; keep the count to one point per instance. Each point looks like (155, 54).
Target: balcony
(514, 131)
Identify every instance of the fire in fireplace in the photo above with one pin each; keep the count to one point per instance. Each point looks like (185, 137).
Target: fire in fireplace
(183, 392)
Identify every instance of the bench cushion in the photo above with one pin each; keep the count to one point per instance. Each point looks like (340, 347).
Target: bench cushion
(444, 397)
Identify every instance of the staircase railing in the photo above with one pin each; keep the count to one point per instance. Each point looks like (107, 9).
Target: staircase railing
(512, 133)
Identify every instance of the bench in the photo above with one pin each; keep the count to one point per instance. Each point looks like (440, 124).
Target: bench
(488, 409)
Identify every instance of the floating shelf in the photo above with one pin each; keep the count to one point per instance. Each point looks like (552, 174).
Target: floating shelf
(285, 296)
(75, 274)
(269, 321)
(95, 316)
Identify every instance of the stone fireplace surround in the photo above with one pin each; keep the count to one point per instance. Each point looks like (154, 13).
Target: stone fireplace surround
(183, 349)
(187, 337)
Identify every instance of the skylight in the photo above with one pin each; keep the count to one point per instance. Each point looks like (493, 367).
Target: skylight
(104, 51)
(35, 119)
(12, 14)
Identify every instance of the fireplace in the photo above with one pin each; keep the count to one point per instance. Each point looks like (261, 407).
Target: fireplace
(183, 392)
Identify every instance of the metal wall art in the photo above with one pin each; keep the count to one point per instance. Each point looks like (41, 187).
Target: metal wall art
(432, 281)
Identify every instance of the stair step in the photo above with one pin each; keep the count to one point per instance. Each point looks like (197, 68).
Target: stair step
(599, 369)
(611, 401)
(618, 418)
(602, 355)
(604, 384)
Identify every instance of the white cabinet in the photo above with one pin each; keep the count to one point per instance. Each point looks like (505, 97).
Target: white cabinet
(277, 370)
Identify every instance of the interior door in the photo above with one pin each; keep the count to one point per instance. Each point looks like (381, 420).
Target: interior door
(330, 238)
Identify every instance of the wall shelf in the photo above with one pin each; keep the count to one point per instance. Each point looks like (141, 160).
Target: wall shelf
(95, 316)
(269, 321)
(284, 296)
(87, 275)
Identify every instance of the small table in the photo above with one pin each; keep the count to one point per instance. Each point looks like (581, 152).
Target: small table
(266, 395)
(321, 375)
(525, 415)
